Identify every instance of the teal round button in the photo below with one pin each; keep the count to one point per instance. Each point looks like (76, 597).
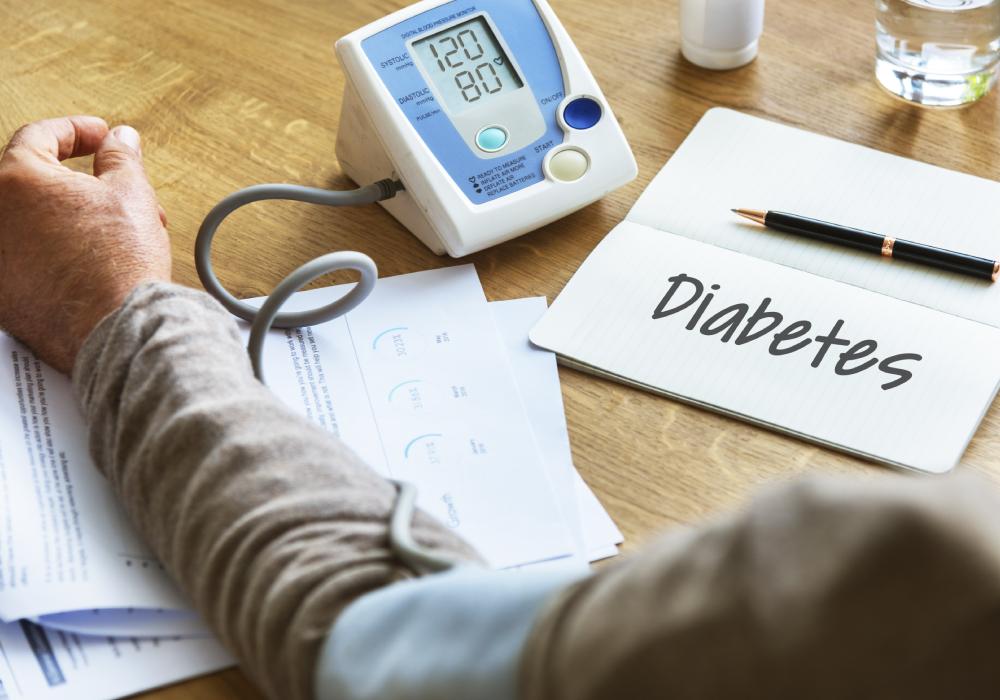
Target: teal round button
(491, 139)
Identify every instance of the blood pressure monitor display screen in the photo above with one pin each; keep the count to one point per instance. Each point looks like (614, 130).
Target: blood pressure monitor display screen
(467, 64)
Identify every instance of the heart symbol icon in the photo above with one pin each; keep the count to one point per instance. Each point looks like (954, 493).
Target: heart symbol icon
(498, 60)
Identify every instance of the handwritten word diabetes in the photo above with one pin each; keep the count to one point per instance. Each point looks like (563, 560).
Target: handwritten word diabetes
(736, 323)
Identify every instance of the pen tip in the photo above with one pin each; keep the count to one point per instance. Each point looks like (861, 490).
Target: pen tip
(753, 214)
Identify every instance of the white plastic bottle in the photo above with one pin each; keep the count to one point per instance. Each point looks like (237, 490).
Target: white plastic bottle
(721, 34)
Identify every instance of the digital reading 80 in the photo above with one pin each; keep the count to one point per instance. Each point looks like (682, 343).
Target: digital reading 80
(467, 64)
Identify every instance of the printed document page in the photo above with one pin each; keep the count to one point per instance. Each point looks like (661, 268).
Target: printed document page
(65, 543)
(41, 664)
(831, 362)
(541, 396)
(537, 376)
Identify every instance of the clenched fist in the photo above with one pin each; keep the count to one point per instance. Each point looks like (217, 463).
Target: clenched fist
(72, 245)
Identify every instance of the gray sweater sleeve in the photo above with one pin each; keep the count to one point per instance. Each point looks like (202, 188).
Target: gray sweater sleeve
(269, 524)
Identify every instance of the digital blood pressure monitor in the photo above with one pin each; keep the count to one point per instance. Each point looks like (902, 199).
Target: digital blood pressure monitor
(485, 112)
(471, 121)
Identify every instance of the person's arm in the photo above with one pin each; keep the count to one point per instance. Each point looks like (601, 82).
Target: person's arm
(270, 525)
(826, 588)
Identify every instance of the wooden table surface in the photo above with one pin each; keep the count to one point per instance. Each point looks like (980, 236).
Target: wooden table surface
(227, 94)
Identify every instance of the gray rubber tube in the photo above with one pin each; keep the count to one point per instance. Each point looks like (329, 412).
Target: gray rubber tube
(401, 539)
(269, 316)
(379, 191)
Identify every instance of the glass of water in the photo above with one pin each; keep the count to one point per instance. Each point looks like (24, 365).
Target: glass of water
(938, 53)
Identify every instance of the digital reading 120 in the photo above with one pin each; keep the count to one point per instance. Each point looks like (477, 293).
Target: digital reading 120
(467, 64)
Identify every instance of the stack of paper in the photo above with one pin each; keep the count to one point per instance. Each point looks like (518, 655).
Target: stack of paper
(458, 402)
(455, 400)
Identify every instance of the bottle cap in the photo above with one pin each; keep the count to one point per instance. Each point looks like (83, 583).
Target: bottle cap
(721, 34)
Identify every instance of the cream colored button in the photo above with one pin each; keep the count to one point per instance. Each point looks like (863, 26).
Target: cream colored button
(569, 165)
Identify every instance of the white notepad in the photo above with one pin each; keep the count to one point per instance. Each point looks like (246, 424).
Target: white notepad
(933, 335)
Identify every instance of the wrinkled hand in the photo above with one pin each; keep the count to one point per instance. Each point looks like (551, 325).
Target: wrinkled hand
(72, 245)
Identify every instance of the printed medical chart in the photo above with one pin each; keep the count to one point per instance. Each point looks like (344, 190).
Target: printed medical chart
(439, 407)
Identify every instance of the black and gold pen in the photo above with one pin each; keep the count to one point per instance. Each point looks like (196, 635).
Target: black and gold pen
(886, 246)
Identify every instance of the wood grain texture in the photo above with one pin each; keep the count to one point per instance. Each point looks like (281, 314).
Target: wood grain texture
(227, 94)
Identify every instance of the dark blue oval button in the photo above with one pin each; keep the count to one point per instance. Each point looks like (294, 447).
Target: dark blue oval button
(583, 113)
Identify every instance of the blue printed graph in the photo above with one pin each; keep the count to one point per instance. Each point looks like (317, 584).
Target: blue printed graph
(399, 386)
(385, 333)
(416, 440)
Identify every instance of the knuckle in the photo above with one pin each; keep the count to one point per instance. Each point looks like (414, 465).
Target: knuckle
(22, 136)
(21, 133)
